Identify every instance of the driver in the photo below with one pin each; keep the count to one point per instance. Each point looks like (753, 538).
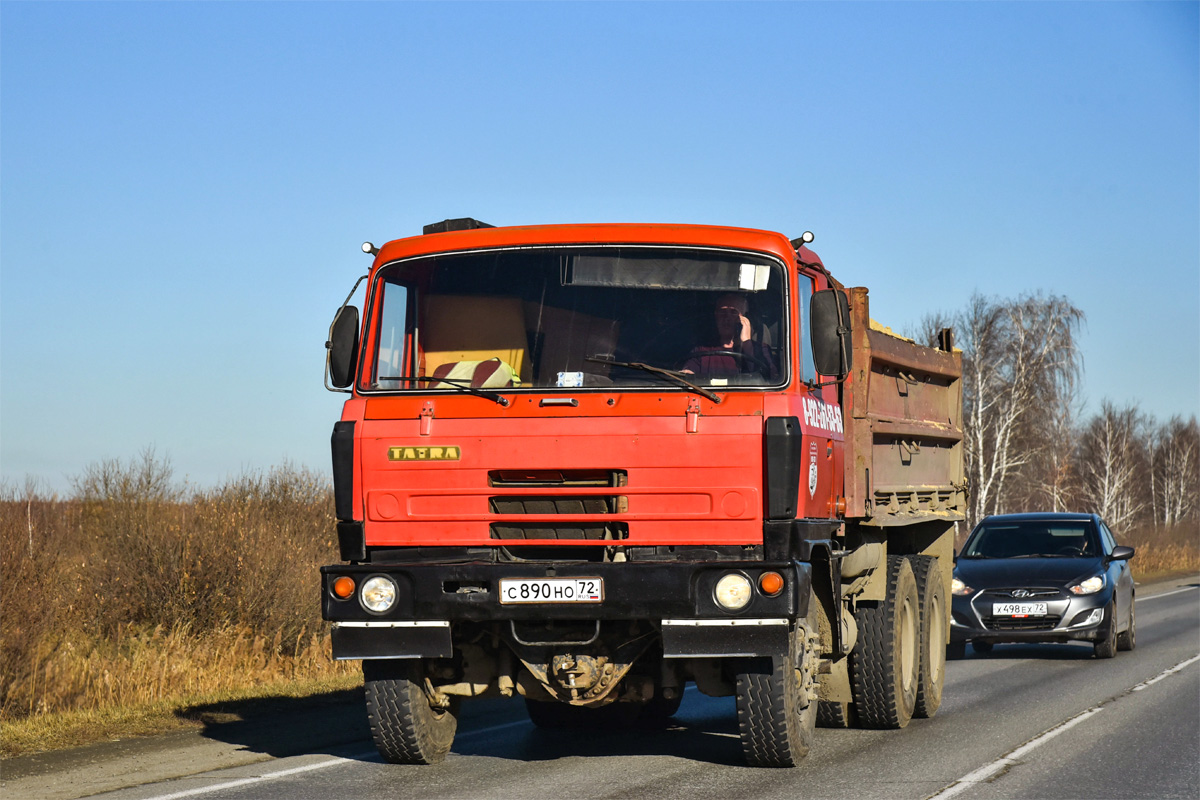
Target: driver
(735, 352)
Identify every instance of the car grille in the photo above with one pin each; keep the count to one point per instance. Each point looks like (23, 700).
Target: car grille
(1019, 594)
(1021, 623)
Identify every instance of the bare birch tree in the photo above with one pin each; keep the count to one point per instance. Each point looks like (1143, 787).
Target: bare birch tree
(1020, 365)
(1176, 471)
(1112, 465)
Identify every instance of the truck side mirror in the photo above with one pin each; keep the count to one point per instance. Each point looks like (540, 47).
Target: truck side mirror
(342, 347)
(829, 331)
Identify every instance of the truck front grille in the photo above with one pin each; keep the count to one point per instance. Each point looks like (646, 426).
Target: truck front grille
(557, 477)
(587, 504)
(587, 531)
(571, 504)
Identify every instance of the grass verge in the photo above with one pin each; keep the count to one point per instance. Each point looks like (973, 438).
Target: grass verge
(75, 728)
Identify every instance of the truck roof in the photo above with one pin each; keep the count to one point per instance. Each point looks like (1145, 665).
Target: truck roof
(594, 233)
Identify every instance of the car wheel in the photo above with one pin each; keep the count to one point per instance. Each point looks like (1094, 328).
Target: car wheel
(1107, 647)
(956, 651)
(982, 647)
(1126, 639)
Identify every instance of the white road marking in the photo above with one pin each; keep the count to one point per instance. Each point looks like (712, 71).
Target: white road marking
(216, 787)
(1165, 673)
(1012, 757)
(1167, 594)
(332, 762)
(983, 773)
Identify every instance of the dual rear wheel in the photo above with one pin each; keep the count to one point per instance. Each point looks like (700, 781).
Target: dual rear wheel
(897, 669)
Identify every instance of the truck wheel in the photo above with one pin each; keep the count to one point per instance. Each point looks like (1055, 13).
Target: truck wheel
(1107, 647)
(777, 699)
(1126, 640)
(405, 727)
(834, 714)
(885, 663)
(931, 600)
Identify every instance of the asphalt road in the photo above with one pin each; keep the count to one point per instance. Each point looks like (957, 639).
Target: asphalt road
(1027, 721)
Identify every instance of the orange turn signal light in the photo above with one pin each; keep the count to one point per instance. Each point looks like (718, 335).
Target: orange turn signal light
(771, 583)
(343, 587)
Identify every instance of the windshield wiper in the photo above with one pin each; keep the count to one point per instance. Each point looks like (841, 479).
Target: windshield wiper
(677, 377)
(488, 394)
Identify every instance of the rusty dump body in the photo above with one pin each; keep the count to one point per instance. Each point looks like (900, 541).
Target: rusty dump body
(588, 464)
(903, 430)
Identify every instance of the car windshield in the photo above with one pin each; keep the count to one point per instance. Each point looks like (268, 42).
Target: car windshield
(580, 317)
(1032, 539)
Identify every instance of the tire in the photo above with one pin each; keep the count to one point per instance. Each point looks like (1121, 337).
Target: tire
(777, 699)
(956, 651)
(884, 665)
(833, 714)
(1107, 647)
(406, 729)
(983, 647)
(1127, 639)
(931, 600)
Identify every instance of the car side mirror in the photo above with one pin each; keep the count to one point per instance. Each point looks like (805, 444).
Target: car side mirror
(829, 331)
(342, 347)
(1121, 553)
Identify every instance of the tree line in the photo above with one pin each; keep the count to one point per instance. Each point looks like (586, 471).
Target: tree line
(1028, 446)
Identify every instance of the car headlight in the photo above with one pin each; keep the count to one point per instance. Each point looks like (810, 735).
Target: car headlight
(733, 591)
(1090, 586)
(378, 594)
(959, 588)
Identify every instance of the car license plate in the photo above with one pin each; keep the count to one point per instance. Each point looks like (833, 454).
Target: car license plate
(1018, 609)
(551, 590)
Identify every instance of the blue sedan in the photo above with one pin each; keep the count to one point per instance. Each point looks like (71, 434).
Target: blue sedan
(1049, 577)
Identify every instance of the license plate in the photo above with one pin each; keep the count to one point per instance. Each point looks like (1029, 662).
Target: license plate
(551, 590)
(1018, 609)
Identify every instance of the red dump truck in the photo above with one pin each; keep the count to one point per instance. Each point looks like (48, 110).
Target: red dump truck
(589, 464)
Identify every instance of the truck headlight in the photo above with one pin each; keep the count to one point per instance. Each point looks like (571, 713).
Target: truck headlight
(1090, 586)
(733, 591)
(378, 594)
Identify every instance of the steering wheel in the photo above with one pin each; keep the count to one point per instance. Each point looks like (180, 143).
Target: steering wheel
(737, 354)
(1069, 551)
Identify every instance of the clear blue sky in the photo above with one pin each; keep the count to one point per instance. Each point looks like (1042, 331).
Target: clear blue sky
(184, 186)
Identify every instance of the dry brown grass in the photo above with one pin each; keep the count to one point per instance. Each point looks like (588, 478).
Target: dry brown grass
(135, 593)
(1163, 551)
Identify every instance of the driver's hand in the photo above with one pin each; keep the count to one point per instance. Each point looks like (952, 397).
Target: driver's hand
(745, 334)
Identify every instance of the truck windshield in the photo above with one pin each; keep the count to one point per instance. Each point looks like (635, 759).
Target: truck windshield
(578, 318)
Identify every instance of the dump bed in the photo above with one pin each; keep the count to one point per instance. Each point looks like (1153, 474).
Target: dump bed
(904, 460)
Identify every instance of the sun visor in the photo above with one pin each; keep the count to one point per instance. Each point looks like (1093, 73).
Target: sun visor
(667, 273)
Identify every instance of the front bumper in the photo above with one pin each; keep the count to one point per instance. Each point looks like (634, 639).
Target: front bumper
(1068, 617)
(678, 597)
